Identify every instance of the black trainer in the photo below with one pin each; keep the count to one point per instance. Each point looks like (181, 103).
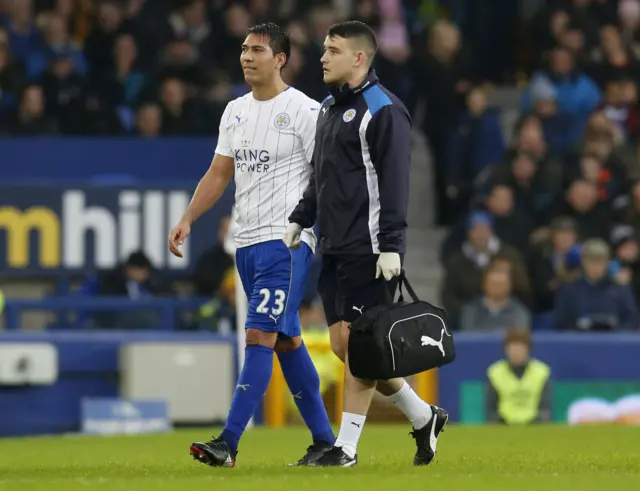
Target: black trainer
(427, 437)
(314, 452)
(335, 457)
(215, 453)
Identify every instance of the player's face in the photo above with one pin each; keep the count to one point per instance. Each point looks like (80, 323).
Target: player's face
(258, 61)
(338, 61)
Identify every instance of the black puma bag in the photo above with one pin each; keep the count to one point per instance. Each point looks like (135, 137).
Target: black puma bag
(400, 339)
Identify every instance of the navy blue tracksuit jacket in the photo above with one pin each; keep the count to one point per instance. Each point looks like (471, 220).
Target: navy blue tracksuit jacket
(358, 194)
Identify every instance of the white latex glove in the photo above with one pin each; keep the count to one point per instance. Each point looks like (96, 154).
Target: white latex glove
(291, 236)
(388, 265)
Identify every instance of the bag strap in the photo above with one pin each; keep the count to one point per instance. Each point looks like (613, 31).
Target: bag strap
(402, 280)
(388, 298)
(412, 293)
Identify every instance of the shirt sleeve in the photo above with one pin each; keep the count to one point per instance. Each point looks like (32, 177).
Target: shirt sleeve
(306, 126)
(305, 213)
(388, 136)
(225, 134)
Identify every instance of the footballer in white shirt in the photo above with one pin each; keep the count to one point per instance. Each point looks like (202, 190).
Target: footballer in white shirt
(265, 143)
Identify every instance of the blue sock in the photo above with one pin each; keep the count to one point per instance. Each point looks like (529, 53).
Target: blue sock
(252, 384)
(303, 381)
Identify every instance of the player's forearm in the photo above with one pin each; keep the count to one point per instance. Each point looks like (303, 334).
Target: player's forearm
(207, 193)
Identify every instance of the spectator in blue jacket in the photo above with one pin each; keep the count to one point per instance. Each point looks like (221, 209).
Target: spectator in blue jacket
(595, 302)
(24, 37)
(475, 143)
(576, 94)
(559, 126)
(57, 43)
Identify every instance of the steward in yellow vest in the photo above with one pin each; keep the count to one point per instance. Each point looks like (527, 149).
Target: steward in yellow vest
(519, 387)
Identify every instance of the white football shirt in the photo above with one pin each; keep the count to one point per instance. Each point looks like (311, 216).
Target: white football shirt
(271, 143)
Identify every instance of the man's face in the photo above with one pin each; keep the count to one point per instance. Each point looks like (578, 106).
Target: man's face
(561, 63)
(497, 284)
(610, 39)
(479, 235)
(62, 67)
(573, 39)
(563, 240)
(614, 93)
(20, 10)
(258, 61)
(195, 14)
(338, 60)
(546, 107)
(523, 168)
(173, 94)
(56, 31)
(109, 16)
(476, 101)
(149, 121)
(501, 201)
(595, 268)
(628, 251)
(137, 274)
(33, 101)
(125, 49)
(582, 196)
(601, 147)
(531, 138)
(517, 353)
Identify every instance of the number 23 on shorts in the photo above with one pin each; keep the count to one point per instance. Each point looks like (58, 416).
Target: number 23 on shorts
(279, 302)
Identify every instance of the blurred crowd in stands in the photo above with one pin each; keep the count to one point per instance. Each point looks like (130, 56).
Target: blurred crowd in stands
(543, 217)
(545, 227)
(161, 67)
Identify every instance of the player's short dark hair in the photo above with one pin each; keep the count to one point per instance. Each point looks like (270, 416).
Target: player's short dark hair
(352, 29)
(279, 40)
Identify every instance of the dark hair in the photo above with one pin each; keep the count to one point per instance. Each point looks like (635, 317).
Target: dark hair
(139, 259)
(279, 41)
(518, 335)
(354, 29)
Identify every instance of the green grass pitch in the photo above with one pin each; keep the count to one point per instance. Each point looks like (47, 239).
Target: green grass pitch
(537, 458)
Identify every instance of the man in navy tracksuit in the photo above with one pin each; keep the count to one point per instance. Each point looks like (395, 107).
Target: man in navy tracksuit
(358, 197)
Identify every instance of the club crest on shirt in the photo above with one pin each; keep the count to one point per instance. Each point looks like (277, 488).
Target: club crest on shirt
(348, 115)
(281, 121)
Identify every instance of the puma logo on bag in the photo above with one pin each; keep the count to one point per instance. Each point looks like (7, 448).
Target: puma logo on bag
(428, 341)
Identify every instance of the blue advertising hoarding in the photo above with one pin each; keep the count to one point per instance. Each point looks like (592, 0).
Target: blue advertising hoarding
(85, 158)
(60, 227)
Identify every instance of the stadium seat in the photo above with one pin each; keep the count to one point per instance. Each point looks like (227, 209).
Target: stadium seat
(543, 322)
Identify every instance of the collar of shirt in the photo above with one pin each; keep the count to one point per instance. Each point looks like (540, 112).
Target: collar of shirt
(495, 309)
(344, 92)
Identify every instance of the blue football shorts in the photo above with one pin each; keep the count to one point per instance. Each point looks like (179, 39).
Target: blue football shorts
(274, 278)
